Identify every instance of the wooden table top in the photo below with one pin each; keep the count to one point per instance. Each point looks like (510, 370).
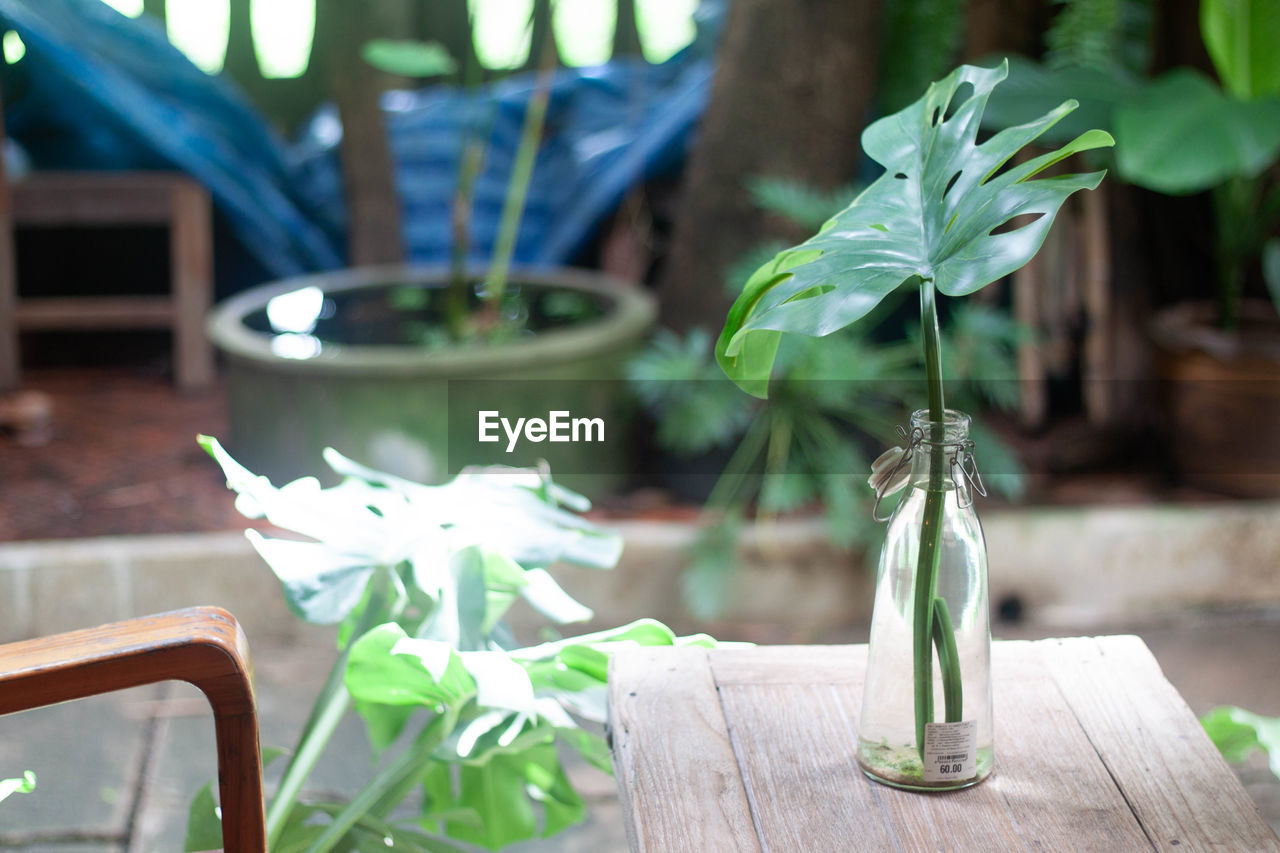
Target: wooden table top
(746, 749)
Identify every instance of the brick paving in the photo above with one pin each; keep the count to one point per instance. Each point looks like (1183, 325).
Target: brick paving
(120, 458)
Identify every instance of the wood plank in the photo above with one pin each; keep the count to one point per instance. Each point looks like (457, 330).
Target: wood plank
(95, 198)
(678, 779)
(95, 312)
(1172, 777)
(790, 665)
(1049, 780)
(191, 254)
(796, 744)
(796, 741)
(1036, 798)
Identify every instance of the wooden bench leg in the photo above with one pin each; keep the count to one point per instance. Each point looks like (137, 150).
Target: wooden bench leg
(10, 374)
(201, 645)
(191, 256)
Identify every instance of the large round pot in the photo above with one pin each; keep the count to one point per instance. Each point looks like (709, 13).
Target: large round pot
(1222, 397)
(339, 360)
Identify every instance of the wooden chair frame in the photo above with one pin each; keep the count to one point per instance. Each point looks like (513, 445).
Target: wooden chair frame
(201, 645)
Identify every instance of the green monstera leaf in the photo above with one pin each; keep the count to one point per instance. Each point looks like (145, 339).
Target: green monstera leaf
(934, 214)
(1182, 134)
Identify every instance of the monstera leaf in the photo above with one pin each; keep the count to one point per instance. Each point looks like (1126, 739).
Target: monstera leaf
(1182, 134)
(933, 214)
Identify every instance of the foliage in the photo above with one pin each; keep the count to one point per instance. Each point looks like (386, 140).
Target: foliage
(1271, 270)
(1184, 133)
(933, 215)
(419, 579)
(684, 389)
(831, 401)
(409, 58)
(1104, 35)
(938, 220)
(805, 206)
(24, 784)
(921, 38)
(1237, 733)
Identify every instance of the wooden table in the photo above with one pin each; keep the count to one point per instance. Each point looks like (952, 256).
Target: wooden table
(746, 749)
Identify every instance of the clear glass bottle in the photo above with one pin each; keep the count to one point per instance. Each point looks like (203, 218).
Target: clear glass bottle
(956, 748)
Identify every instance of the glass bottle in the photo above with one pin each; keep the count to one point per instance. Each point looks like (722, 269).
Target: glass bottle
(956, 748)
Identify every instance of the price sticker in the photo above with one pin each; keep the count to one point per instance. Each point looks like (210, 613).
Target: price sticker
(950, 751)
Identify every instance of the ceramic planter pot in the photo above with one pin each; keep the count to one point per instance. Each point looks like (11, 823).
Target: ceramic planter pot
(1222, 397)
(346, 360)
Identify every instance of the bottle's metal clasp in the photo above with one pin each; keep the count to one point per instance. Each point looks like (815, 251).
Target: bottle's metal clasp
(889, 473)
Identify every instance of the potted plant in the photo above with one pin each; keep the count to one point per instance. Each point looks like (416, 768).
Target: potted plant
(1183, 134)
(395, 364)
(1218, 357)
(941, 219)
(464, 722)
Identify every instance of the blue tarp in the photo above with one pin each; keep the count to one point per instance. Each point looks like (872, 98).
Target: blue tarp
(607, 129)
(98, 90)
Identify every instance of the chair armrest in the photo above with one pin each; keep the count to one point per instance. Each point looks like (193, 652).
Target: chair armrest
(202, 645)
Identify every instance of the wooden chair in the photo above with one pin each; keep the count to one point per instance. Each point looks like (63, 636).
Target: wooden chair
(202, 645)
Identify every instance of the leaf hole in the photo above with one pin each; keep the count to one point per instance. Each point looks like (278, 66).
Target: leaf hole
(951, 183)
(1016, 223)
(901, 176)
(959, 97)
(933, 117)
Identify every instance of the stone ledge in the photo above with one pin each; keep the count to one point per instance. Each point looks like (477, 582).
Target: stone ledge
(1068, 566)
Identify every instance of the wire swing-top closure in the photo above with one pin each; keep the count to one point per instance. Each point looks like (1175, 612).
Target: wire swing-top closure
(890, 472)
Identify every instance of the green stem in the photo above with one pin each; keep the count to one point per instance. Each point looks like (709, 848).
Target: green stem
(724, 492)
(935, 497)
(1241, 222)
(407, 767)
(456, 308)
(521, 171)
(944, 638)
(329, 708)
(331, 705)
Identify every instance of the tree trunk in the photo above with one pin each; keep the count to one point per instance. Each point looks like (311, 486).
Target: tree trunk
(9, 372)
(368, 176)
(1005, 26)
(448, 22)
(626, 33)
(241, 64)
(790, 99)
(542, 30)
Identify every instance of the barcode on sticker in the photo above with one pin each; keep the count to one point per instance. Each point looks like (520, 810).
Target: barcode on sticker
(950, 751)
